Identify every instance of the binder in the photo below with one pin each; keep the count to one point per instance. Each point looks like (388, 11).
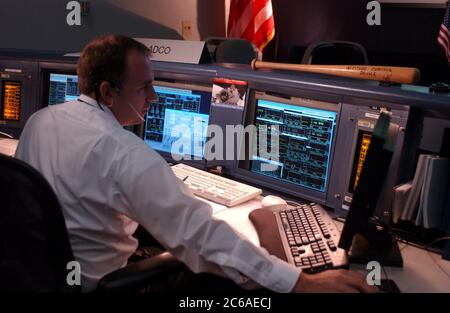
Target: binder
(427, 196)
(435, 192)
(401, 194)
(420, 207)
(412, 204)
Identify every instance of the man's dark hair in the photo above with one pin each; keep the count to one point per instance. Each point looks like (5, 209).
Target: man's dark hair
(105, 59)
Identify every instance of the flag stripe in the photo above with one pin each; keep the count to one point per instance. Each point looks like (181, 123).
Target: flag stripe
(243, 21)
(265, 33)
(443, 37)
(262, 16)
(236, 8)
(444, 40)
(252, 20)
(444, 34)
(444, 31)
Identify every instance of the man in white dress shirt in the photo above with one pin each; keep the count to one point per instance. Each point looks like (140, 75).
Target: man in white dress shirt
(108, 181)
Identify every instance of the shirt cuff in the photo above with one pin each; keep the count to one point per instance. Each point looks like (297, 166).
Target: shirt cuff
(283, 276)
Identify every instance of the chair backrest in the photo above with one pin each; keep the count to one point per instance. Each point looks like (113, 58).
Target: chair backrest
(211, 45)
(335, 53)
(239, 51)
(34, 244)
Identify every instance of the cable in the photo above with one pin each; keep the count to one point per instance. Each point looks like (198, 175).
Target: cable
(384, 270)
(401, 232)
(6, 135)
(421, 246)
(293, 203)
(427, 248)
(437, 240)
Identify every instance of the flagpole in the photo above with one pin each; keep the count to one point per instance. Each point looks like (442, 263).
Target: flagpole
(277, 36)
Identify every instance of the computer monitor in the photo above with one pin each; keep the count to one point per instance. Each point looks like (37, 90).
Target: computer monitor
(364, 137)
(11, 100)
(176, 124)
(364, 236)
(299, 161)
(18, 80)
(62, 87)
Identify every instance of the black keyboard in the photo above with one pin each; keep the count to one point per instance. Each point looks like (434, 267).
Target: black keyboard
(310, 238)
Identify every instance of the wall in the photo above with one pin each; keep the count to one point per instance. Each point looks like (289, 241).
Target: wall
(207, 16)
(41, 25)
(407, 35)
(416, 2)
(403, 29)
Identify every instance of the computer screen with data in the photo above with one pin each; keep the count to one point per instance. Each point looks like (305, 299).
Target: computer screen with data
(11, 100)
(305, 140)
(292, 146)
(176, 124)
(62, 88)
(360, 153)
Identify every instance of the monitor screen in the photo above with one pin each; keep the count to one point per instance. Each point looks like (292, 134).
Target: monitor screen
(62, 88)
(11, 92)
(305, 142)
(362, 145)
(177, 122)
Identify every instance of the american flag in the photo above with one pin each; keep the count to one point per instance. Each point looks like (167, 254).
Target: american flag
(251, 20)
(444, 33)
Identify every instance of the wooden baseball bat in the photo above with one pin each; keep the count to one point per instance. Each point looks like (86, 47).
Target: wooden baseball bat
(393, 74)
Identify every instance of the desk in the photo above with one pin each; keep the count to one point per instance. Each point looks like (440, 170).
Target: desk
(8, 146)
(422, 271)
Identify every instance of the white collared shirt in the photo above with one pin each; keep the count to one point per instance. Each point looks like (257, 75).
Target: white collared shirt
(108, 181)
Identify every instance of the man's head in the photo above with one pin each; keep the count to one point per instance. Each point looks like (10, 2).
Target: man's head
(116, 70)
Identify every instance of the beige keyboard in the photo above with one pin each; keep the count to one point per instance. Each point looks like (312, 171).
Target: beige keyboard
(214, 187)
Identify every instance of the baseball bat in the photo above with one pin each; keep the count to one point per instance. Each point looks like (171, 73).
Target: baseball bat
(393, 74)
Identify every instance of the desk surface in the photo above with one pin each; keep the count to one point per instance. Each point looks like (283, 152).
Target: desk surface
(422, 271)
(8, 146)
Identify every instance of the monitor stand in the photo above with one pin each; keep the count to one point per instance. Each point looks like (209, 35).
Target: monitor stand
(376, 244)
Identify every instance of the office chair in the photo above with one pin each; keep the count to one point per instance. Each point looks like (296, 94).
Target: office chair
(233, 50)
(335, 53)
(211, 45)
(34, 244)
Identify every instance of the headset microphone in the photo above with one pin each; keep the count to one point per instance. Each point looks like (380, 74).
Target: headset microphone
(135, 111)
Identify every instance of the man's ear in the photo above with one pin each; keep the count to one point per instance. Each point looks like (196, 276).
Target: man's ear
(107, 93)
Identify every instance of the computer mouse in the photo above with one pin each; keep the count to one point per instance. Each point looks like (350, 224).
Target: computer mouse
(273, 203)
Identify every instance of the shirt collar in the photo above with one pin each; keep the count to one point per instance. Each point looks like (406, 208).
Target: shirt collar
(93, 102)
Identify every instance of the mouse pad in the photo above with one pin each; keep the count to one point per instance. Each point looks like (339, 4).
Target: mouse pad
(269, 236)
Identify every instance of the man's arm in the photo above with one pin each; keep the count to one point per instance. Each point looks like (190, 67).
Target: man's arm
(149, 192)
(184, 225)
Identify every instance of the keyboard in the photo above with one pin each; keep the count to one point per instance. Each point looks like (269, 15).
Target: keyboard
(214, 187)
(310, 238)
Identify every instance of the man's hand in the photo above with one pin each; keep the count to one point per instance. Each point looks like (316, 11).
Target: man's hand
(333, 281)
